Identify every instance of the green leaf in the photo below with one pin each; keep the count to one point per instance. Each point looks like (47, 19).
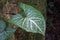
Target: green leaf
(33, 22)
(2, 25)
(2, 36)
(10, 31)
(6, 34)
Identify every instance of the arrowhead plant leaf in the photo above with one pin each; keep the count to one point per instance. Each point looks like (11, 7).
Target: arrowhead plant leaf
(33, 22)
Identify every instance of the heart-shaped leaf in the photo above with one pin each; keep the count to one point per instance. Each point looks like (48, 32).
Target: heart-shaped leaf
(2, 25)
(33, 22)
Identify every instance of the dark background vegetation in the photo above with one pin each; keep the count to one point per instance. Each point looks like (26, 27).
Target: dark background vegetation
(53, 20)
